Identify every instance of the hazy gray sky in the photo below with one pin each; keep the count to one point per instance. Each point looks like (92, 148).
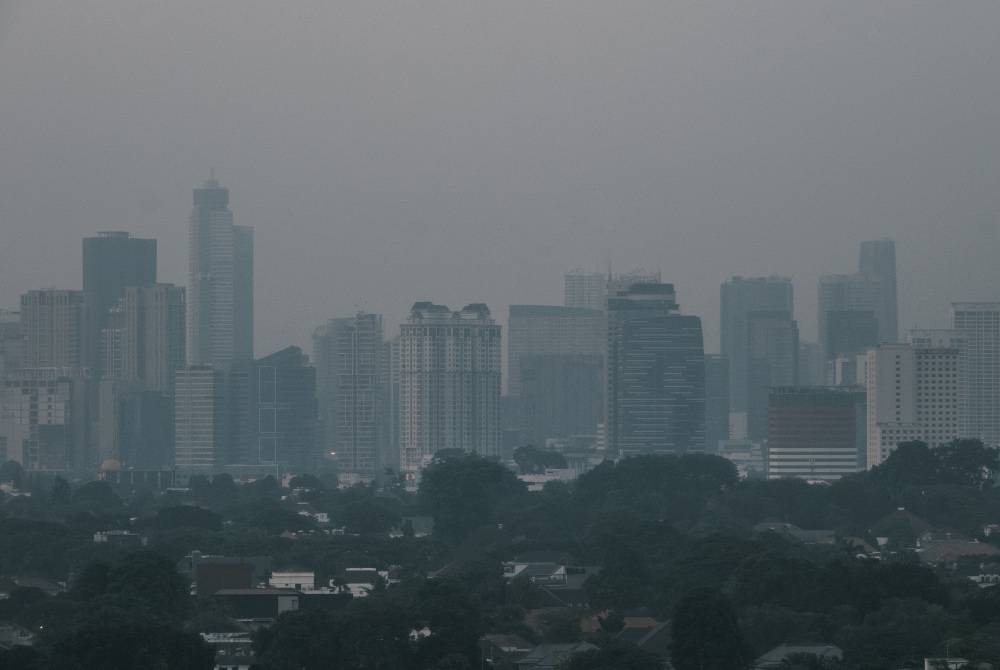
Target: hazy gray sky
(474, 151)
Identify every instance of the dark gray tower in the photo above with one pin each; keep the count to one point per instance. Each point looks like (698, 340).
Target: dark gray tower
(878, 260)
(112, 261)
(655, 374)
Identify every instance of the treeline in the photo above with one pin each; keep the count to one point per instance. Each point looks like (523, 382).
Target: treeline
(674, 537)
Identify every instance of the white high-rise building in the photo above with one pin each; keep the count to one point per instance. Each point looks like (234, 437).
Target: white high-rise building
(220, 282)
(449, 381)
(912, 394)
(978, 323)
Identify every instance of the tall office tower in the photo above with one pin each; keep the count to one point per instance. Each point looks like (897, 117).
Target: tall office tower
(655, 374)
(53, 324)
(839, 296)
(220, 283)
(739, 297)
(561, 395)
(11, 343)
(389, 458)
(449, 383)
(878, 260)
(772, 352)
(625, 280)
(716, 401)
(591, 290)
(585, 290)
(43, 419)
(144, 340)
(544, 329)
(811, 372)
(978, 323)
(815, 433)
(850, 332)
(202, 418)
(135, 427)
(286, 411)
(349, 362)
(111, 261)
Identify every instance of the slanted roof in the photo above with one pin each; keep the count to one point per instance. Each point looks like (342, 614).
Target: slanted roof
(777, 656)
(552, 655)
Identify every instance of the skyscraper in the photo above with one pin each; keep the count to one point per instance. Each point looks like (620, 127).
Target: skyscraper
(53, 324)
(44, 419)
(111, 262)
(739, 297)
(772, 360)
(202, 418)
(561, 395)
(546, 329)
(978, 323)
(585, 290)
(220, 283)
(285, 417)
(449, 383)
(716, 401)
(349, 354)
(872, 289)
(11, 342)
(655, 374)
(878, 260)
(144, 340)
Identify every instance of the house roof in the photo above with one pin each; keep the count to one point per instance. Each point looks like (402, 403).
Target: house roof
(776, 657)
(946, 551)
(552, 655)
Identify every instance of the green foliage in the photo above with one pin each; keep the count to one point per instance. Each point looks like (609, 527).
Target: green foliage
(187, 516)
(706, 634)
(464, 492)
(60, 491)
(532, 460)
(370, 515)
(11, 471)
(614, 657)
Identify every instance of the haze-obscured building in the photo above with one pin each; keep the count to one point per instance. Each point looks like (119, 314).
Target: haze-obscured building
(285, 409)
(655, 374)
(740, 297)
(44, 419)
(816, 433)
(52, 321)
(203, 432)
(550, 329)
(351, 377)
(112, 261)
(220, 283)
(449, 383)
(561, 395)
(978, 325)
(716, 401)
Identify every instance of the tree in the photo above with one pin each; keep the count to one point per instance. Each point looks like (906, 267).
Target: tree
(11, 471)
(615, 656)
(307, 481)
(151, 579)
(967, 462)
(97, 494)
(463, 492)
(371, 514)
(532, 460)
(706, 634)
(187, 516)
(60, 491)
(123, 639)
